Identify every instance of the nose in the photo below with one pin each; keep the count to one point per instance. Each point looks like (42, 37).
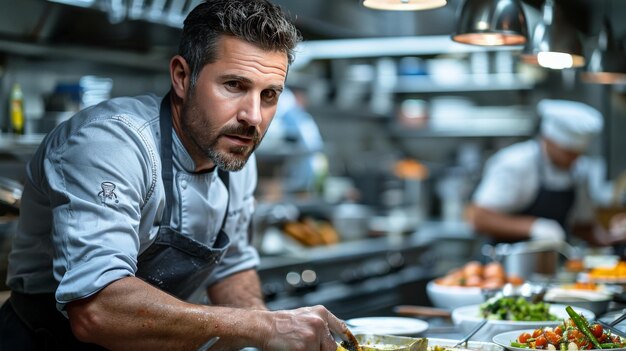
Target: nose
(250, 110)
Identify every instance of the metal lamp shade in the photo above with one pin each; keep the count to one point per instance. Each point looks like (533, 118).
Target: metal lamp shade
(491, 23)
(403, 5)
(607, 64)
(555, 43)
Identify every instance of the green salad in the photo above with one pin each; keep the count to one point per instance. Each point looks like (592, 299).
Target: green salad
(515, 309)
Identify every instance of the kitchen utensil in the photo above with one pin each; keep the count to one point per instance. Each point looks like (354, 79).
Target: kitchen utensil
(471, 345)
(349, 342)
(206, 346)
(470, 334)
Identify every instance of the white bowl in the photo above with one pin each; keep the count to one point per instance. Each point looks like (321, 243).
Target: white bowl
(467, 317)
(451, 297)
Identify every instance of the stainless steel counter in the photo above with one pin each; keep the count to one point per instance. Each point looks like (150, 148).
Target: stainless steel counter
(366, 277)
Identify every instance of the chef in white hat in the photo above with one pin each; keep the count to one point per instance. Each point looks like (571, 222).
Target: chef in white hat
(539, 189)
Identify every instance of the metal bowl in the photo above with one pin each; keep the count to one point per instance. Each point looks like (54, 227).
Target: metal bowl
(594, 301)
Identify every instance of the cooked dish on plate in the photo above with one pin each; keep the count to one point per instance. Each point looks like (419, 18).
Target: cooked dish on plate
(516, 309)
(574, 333)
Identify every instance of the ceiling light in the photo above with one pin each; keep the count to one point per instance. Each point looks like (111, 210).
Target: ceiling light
(403, 5)
(555, 43)
(607, 64)
(491, 23)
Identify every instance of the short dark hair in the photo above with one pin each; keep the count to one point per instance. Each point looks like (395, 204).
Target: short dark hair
(258, 22)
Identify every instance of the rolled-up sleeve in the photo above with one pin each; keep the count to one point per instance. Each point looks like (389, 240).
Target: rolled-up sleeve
(99, 179)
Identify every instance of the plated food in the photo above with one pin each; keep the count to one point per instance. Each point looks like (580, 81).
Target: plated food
(376, 342)
(467, 317)
(475, 274)
(573, 333)
(511, 308)
(464, 285)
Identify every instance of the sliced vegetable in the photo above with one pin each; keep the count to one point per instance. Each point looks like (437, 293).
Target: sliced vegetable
(582, 325)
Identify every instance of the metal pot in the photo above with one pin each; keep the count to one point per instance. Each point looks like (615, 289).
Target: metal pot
(530, 259)
(351, 220)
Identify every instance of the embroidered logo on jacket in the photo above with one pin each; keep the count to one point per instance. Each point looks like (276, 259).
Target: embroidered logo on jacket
(108, 192)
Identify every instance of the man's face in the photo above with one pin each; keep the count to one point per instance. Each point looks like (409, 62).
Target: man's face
(228, 112)
(559, 156)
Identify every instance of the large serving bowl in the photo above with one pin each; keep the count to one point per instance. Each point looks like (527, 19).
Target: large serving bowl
(597, 301)
(451, 297)
(467, 317)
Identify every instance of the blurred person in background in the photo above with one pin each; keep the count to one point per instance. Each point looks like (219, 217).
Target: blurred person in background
(542, 189)
(294, 129)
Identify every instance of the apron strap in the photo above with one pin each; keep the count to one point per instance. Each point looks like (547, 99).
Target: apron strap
(167, 173)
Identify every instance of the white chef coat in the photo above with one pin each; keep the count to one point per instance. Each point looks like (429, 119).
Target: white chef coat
(511, 180)
(94, 198)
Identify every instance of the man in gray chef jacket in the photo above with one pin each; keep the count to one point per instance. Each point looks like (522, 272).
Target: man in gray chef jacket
(133, 204)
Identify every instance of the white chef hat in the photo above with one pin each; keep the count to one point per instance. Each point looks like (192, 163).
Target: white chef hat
(570, 124)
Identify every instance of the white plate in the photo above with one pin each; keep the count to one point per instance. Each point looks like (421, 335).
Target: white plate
(468, 317)
(504, 340)
(472, 314)
(387, 325)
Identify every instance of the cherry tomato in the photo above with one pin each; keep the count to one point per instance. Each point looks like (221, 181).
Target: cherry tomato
(523, 338)
(552, 337)
(596, 330)
(541, 342)
(574, 335)
(537, 332)
(558, 330)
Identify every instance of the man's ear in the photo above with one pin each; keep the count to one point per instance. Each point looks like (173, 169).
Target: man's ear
(180, 75)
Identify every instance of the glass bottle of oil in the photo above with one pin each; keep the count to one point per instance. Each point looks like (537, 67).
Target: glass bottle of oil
(17, 110)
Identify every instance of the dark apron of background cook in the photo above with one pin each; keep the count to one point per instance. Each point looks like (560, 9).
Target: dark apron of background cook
(174, 263)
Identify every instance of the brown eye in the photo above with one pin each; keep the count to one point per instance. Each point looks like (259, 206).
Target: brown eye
(270, 96)
(233, 85)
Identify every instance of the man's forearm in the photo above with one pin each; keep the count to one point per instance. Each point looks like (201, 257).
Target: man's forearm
(500, 225)
(241, 290)
(130, 314)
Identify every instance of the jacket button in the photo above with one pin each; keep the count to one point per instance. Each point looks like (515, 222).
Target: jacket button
(183, 184)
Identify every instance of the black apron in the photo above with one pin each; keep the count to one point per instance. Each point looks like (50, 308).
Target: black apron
(551, 204)
(174, 263)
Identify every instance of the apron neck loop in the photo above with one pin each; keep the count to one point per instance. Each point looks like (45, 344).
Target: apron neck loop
(167, 171)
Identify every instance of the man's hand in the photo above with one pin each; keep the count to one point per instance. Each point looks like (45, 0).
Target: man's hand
(617, 227)
(307, 328)
(544, 229)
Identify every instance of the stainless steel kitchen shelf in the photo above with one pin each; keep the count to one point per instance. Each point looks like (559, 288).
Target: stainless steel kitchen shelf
(464, 83)
(20, 144)
(155, 60)
(470, 128)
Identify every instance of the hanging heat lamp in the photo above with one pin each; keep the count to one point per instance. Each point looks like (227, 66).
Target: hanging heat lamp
(607, 64)
(403, 5)
(491, 23)
(554, 43)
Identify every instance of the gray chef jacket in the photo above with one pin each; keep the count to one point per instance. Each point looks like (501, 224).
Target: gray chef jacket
(93, 201)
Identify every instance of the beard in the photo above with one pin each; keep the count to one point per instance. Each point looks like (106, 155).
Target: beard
(205, 136)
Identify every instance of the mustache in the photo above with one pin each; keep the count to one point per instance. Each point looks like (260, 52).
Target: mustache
(242, 131)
